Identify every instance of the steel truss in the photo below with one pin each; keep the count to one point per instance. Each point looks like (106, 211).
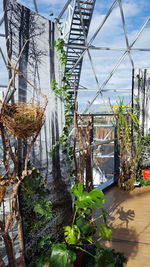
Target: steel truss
(76, 16)
(85, 47)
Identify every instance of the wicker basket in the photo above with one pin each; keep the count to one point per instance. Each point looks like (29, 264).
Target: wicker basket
(23, 120)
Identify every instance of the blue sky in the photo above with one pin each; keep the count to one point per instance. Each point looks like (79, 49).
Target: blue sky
(111, 35)
(45, 7)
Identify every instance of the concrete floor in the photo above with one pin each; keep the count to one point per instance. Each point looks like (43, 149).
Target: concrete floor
(130, 221)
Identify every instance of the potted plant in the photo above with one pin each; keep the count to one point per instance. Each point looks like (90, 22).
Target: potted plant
(128, 144)
(79, 247)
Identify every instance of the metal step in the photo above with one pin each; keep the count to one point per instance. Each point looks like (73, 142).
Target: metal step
(76, 34)
(78, 24)
(86, 2)
(76, 30)
(85, 8)
(79, 38)
(82, 13)
(75, 18)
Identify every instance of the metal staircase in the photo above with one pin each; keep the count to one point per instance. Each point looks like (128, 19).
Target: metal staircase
(79, 28)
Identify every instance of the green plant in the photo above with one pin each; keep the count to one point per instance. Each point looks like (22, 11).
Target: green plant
(83, 226)
(146, 142)
(79, 235)
(59, 48)
(141, 180)
(144, 162)
(34, 194)
(61, 256)
(130, 151)
(109, 258)
(68, 105)
(43, 251)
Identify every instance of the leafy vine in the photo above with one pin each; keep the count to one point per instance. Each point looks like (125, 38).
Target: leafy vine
(68, 103)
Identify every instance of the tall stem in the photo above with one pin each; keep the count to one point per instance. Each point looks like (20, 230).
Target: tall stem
(94, 220)
(74, 217)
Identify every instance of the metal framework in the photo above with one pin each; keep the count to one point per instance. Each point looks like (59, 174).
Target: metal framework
(85, 46)
(76, 16)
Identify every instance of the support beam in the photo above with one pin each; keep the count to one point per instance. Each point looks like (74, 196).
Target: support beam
(105, 90)
(3, 57)
(2, 35)
(35, 6)
(3, 86)
(64, 9)
(105, 48)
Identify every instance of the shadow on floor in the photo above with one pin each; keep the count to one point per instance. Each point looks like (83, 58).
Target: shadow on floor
(125, 237)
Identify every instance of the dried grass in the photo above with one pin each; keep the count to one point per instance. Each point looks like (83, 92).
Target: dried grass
(23, 120)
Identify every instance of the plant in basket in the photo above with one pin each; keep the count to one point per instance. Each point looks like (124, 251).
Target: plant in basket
(24, 119)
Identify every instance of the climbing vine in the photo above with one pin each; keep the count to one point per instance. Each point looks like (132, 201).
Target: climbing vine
(59, 48)
(68, 104)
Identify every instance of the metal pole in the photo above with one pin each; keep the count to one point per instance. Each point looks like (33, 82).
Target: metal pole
(125, 32)
(64, 9)
(35, 6)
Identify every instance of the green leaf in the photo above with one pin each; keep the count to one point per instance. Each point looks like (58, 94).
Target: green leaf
(38, 209)
(44, 242)
(72, 235)
(134, 118)
(105, 257)
(94, 198)
(86, 228)
(89, 239)
(61, 256)
(77, 190)
(87, 211)
(105, 215)
(105, 232)
(44, 208)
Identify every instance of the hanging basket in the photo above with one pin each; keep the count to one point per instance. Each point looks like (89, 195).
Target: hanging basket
(23, 120)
